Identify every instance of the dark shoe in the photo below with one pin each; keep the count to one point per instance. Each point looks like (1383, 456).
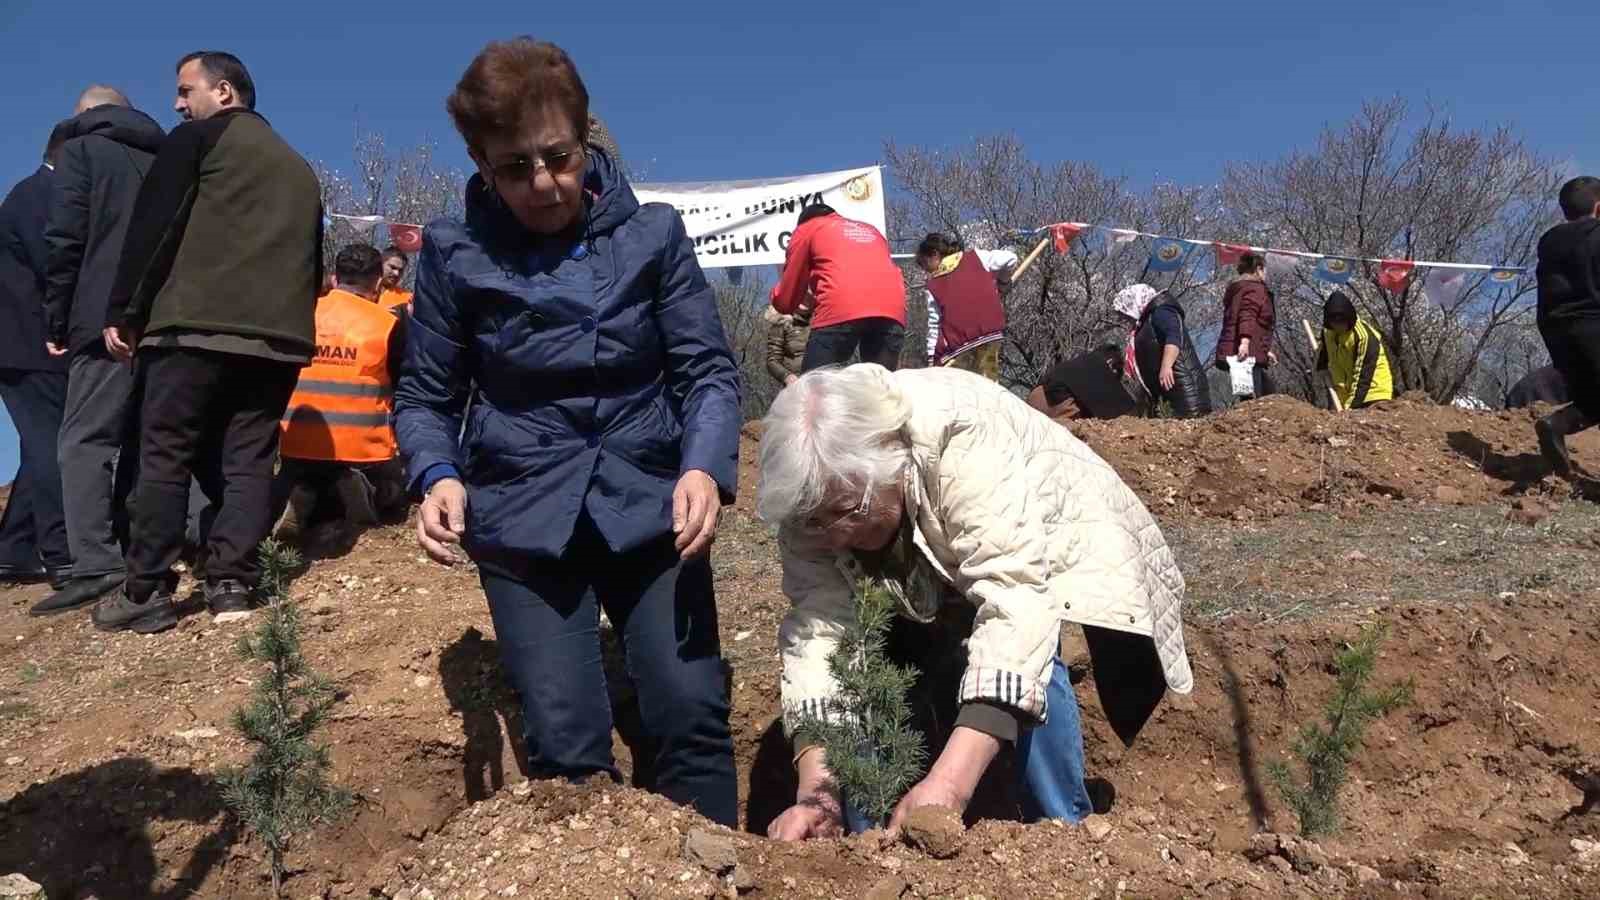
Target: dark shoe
(228, 596)
(78, 592)
(21, 574)
(1553, 445)
(60, 577)
(118, 613)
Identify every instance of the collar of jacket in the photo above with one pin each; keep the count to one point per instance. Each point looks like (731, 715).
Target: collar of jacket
(947, 265)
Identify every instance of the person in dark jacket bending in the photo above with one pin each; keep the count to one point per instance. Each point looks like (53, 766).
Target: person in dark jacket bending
(1569, 316)
(109, 149)
(1162, 353)
(603, 433)
(1248, 314)
(33, 384)
(1542, 385)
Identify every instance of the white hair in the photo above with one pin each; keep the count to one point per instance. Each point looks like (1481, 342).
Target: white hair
(832, 428)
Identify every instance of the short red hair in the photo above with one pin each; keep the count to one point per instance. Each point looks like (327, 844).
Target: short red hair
(510, 82)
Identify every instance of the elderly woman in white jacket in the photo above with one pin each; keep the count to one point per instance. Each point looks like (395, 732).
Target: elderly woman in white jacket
(951, 489)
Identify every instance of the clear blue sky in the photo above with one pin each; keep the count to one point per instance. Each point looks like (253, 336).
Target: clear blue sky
(714, 90)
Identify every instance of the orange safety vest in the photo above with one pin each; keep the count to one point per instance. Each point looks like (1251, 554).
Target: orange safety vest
(390, 299)
(340, 408)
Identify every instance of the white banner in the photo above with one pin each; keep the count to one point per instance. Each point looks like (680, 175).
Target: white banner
(748, 223)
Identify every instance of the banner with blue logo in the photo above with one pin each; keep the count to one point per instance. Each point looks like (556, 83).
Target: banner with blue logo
(1169, 254)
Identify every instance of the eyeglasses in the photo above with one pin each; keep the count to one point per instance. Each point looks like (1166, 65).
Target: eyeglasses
(814, 526)
(555, 160)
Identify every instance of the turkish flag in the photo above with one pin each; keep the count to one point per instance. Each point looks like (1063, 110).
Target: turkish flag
(1228, 254)
(1395, 274)
(1063, 234)
(406, 238)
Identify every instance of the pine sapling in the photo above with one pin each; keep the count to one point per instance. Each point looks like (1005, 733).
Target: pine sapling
(283, 789)
(865, 729)
(1326, 751)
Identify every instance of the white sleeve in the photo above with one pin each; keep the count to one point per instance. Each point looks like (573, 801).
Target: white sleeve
(998, 260)
(933, 325)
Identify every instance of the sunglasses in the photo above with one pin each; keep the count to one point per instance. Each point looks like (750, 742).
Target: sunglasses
(556, 161)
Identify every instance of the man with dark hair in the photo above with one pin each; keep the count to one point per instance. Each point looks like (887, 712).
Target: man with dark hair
(390, 292)
(860, 297)
(33, 385)
(109, 148)
(337, 441)
(216, 292)
(1569, 316)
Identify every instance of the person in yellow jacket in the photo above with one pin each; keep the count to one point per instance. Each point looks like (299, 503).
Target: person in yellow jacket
(1353, 355)
(390, 293)
(337, 446)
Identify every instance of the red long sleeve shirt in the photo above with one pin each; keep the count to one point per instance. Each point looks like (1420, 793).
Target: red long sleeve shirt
(846, 265)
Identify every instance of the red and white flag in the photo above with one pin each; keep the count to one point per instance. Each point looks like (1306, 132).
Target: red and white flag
(406, 238)
(1228, 254)
(1063, 233)
(1395, 274)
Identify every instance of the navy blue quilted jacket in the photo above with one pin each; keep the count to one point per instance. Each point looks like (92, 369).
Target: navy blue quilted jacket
(602, 372)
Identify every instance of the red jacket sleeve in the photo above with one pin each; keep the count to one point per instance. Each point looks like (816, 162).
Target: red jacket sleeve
(1248, 315)
(791, 286)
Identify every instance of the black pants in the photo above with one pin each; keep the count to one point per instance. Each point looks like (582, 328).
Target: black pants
(879, 340)
(35, 529)
(1574, 346)
(547, 620)
(213, 417)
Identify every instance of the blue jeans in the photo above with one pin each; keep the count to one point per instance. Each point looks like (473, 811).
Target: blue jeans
(547, 621)
(1049, 762)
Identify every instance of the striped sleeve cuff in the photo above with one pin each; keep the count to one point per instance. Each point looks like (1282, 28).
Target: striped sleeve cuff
(998, 686)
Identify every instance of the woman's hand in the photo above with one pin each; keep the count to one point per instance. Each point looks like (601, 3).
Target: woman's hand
(1244, 348)
(954, 775)
(1167, 378)
(696, 506)
(817, 812)
(442, 520)
(789, 379)
(1272, 358)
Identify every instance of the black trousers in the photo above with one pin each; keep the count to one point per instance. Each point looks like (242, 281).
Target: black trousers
(213, 417)
(35, 528)
(879, 340)
(1574, 346)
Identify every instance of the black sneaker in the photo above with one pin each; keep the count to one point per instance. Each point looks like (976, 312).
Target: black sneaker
(228, 596)
(78, 592)
(118, 613)
(1553, 447)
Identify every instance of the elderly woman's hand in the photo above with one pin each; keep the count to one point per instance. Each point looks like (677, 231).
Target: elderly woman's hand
(696, 506)
(442, 520)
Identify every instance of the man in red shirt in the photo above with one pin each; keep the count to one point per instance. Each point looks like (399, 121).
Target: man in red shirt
(860, 295)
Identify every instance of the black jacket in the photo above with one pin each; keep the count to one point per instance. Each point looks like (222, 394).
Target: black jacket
(1542, 385)
(99, 169)
(1569, 272)
(229, 238)
(22, 262)
(1191, 392)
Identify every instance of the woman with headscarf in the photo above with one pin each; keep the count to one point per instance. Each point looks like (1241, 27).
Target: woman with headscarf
(946, 489)
(603, 433)
(1161, 354)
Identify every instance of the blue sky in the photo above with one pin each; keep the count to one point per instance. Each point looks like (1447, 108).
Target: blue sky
(709, 90)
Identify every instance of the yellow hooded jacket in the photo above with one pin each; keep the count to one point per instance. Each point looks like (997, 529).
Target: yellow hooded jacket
(1358, 364)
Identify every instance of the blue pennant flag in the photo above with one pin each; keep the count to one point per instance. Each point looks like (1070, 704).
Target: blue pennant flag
(1335, 269)
(1169, 254)
(1501, 277)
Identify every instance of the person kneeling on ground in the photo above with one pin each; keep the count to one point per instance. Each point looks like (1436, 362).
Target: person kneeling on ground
(890, 477)
(337, 439)
(1569, 316)
(1161, 354)
(1353, 356)
(1086, 386)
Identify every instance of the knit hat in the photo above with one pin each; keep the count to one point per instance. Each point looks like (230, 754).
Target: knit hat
(1132, 300)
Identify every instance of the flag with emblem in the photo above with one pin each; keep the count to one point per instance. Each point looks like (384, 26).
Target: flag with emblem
(1169, 254)
(1395, 274)
(1501, 278)
(1335, 269)
(1062, 234)
(406, 238)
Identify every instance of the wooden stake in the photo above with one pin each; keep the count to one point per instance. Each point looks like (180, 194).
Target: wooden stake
(1312, 337)
(1028, 260)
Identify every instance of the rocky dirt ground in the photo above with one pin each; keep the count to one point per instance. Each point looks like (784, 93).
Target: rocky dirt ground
(1295, 529)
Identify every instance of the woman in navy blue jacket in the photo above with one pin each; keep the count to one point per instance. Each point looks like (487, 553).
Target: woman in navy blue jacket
(602, 438)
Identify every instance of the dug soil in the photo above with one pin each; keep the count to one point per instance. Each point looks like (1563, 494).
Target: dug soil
(1296, 530)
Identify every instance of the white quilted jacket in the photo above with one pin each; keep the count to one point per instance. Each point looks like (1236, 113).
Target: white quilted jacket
(1023, 520)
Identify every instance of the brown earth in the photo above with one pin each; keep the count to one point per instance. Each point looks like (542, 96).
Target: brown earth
(111, 744)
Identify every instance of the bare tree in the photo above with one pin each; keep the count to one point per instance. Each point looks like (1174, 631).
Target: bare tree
(1379, 186)
(741, 307)
(1063, 303)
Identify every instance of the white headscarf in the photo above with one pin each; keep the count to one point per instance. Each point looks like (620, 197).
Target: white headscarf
(1131, 300)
